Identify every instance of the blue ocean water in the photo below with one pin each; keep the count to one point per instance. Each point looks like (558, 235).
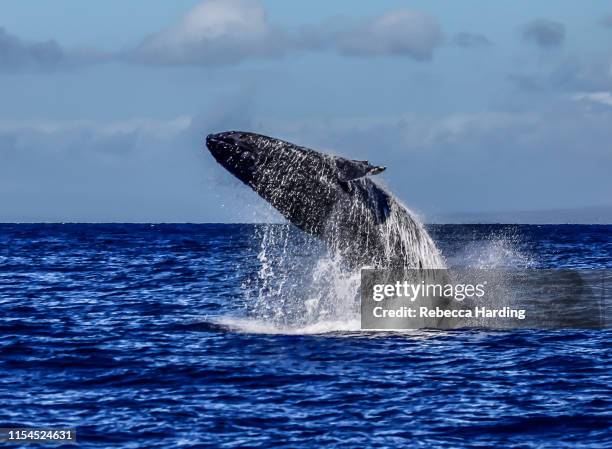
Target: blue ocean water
(146, 336)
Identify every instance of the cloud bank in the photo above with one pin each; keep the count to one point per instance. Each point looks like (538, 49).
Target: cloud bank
(91, 171)
(220, 32)
(225, 32)
(555, 154)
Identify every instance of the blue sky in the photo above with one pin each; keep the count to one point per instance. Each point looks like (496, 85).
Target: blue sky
(474, 106)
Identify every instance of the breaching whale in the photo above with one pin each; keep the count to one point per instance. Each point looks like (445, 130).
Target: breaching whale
(330, 197)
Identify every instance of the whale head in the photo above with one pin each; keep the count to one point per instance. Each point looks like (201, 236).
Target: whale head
(247, 155)
(238, 152)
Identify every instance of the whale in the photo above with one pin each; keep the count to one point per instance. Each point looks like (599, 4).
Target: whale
(330, 197)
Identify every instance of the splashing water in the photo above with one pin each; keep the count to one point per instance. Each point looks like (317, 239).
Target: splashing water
(303, 284)
(305, 287)
(402, 232)
(496, 251)
(299, 282)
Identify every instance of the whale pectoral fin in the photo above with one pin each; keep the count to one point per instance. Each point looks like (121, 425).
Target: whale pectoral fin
(349, 169)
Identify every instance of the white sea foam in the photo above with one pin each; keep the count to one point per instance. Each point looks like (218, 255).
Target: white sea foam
(257, 326)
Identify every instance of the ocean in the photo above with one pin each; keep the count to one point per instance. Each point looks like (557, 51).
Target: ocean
(228, 336)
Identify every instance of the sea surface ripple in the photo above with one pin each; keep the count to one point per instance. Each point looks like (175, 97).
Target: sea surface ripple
(132, 334)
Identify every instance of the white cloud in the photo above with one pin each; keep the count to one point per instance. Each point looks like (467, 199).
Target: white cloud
(604, 98)
(401, 33)
(216, 32)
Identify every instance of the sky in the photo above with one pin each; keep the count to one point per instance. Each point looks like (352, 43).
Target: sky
(473, 106)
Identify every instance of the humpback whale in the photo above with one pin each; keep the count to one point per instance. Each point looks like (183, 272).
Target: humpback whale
(329, 197)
